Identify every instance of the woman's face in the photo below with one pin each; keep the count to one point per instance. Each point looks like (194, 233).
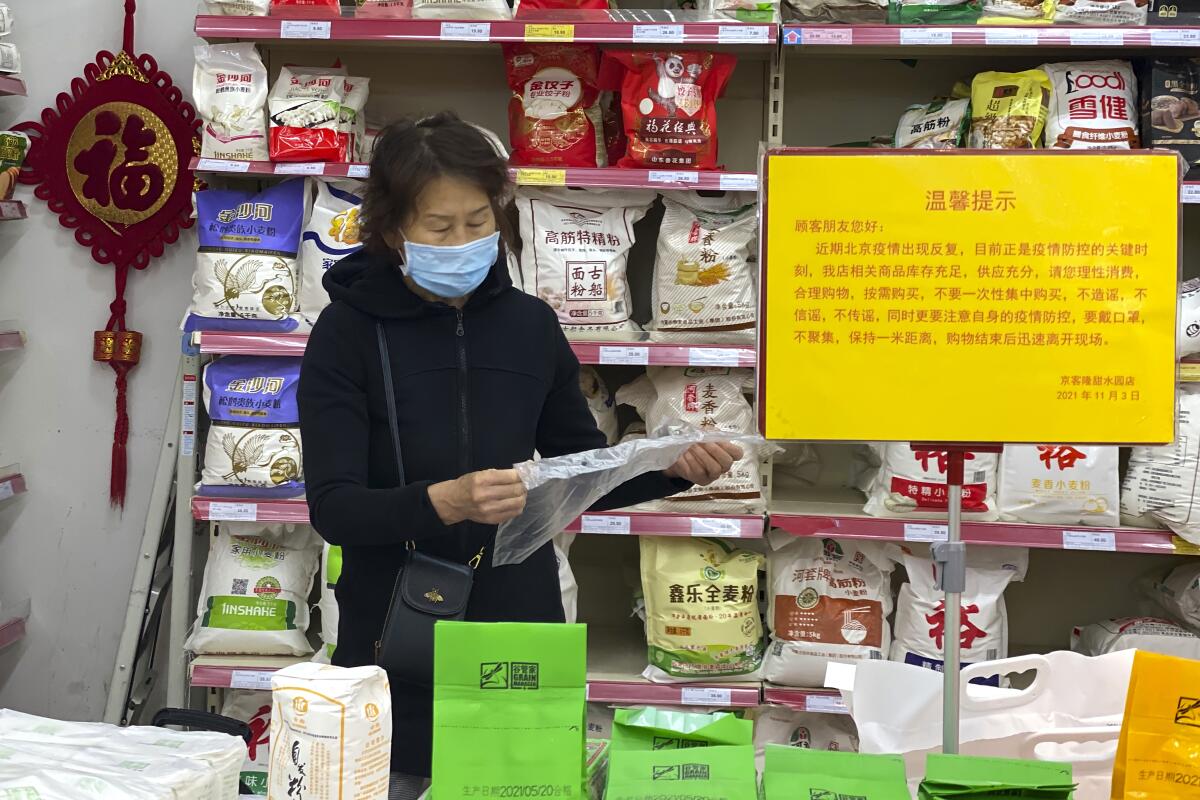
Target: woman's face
(449, 211)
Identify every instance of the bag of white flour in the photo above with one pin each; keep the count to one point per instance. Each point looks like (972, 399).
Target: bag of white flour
(1160, 482)
(239, 8)
(254, 598)
(789, 726)
(254, 709)
(331, 572)
(229, 86)
(1135, 633)
(711, 399)
(331, 733)
(1179, 594)
(1189, 317)
(920, 608)
(1058, 484)
(600, 402)
(460, 9)
(576, 250)
(829, 601)
(1093, 106)
(703, 279)
(1101, 12)
(912, 484)
(331, 233)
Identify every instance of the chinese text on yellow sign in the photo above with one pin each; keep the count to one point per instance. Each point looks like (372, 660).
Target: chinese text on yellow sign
(970, 298)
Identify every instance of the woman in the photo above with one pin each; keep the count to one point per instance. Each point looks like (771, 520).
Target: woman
(483, 376)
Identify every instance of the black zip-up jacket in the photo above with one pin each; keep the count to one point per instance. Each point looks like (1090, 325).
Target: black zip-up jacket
(480, 388)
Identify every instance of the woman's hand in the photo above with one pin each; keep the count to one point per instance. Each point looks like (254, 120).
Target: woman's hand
(705, 462)
(490, 496)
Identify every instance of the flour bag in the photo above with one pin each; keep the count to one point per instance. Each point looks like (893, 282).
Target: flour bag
(704, 282)
(600, 402)
(254, 709)
(1093, 106)
(1102, 12)
(1136, 633)
(238, 8)
(811, 731)
(229, 85)
(1058, 484)
(1179, 594)
(460, 9)
(331, 733)
(246, 276)
(1159, 486)
(912, 484)
(702, 619)
(254, 598)
(1189, 313)
(554, 117)
(331, 234)
(305, 116)
(253, 447)
(576, 251)
(829, 600)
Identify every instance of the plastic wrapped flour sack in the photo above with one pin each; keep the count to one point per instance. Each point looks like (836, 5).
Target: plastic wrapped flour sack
(247, 277)
(229, 85)
(710, 399)
(254, 709)
(829, 600)
(1189, 316)
(1159, 490)
(1101, 12)
(576, 251)
(920, 627)
(305, 109)
(939, 125)
(238, 8)
(1179, 594)
(1059, 484)
(554, 116)
(812, 731)
(1151, 634)
(254, 598)
(50, 772)
(331, 233)
(600, 402)
(331, 732)
(702, 619)
(911, 484)
(704, 283)
(253, 448)
(331, 572)
(1093, 106)
(461, 9)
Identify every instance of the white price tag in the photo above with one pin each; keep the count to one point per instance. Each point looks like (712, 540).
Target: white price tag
(594, 523)
(1010, 36)
(830, 35)
(233, 512)
(1090, 540)
(624, 355)
(705, 696)
(742, 34)
(189, 389)
(6, 490)
(250, 679)
(301, 168)
(673, 176)
(658, 33)
(714, 357)
(925, 36)
(739, 182)
(358, 171)
(1097, 37)
(221, 165)
(1189, 193)
(466, 31)
(1174, 37)
(715, 526)
(925, 533)
(825, 704)
(305, 29)
(187, 443)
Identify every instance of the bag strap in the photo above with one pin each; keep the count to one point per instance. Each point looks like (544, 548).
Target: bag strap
(389, 393)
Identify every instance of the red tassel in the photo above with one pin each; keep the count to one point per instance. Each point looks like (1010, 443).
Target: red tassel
(121, 349)
(119, 474)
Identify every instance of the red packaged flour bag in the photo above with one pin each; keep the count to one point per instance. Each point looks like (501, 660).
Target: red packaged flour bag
(527, 8)
(668, 104)
(332, 7)
(553, 114)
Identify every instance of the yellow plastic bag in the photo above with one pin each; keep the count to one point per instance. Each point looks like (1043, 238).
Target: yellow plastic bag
(1158, 757)
(1008, 109)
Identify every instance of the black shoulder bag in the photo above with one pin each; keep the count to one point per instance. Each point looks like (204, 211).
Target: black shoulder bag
(427, 589)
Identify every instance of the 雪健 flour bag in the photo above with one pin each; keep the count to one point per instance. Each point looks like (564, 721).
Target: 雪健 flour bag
(254, 709)
(576, 250)
(912, 484)
(253, 447)
(246, 276)
(331, 233)
(254, 598)
(331, 733)
(1059, 484)
(829, 600)
(1160, 483)
(229, 85)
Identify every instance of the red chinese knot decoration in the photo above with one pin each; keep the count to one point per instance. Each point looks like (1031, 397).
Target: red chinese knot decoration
(111, 159)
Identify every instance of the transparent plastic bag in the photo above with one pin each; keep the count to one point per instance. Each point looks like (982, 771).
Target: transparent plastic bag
(562, 488)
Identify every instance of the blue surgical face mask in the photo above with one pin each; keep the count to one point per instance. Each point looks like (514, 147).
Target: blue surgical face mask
(451, 270)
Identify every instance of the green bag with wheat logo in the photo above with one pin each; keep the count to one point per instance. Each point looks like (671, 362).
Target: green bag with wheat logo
(694, 773)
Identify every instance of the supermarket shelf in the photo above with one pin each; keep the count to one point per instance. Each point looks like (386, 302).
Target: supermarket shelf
(11, 631)
(1190, 192)
(237, 672)
(841, 515)
(234, 510)
(598, 27)
(12, 209)
(12, 86)
(250, 344)
(643, 692)
(602, 178)
(11, 340)
(817, 701)
(907, 37)
(12, 483)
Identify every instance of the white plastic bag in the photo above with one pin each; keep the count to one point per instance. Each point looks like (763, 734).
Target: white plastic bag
(1135, 633)
(229, 85)
(1189, 318)
(1179, 594)
(789, 726)
(1159, 486)
(1093, 105)
(912, 484)
(1055, 484)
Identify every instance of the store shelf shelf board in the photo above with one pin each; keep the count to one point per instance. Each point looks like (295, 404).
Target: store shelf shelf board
(817, 701)
(11, 485)
(11, 631)
(11, 340)
(237, 672)
(908, 37)
(250, 344)
(12, 210)
(12, 86)
(717, 695)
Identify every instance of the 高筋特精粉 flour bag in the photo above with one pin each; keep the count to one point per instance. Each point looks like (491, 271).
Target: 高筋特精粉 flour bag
(331, 234)
(254, 598)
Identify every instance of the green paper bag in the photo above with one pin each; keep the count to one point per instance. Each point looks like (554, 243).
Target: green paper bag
(976, 778)
(509, 704)
(694, 773)
(663, 729)
(795, 772)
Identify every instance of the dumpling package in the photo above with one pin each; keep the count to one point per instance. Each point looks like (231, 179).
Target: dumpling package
(912, 484)
(1093, 106)
(229, 85)
(247, 276)
(305, 116)
(253, 447)
(331, 233)
(554, 116)
(1057, 484)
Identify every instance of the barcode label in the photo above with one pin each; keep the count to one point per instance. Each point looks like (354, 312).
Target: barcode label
(825, 704)
(1189, 193)
(827, 36)
(914, 532)
(250, 679)
(6, 490)
(300, 168)
(714, 526)
(714, 357)
(305, 29)
(625, 355)
(658, 33)
(925, 36)
(673, 176)
(739, 182)
(358, 170)
(222, 165)
(705, 696)
(466, 31)
(233, 512)
(1007, 36)
(593, 523)
(1090, 540)
(1097, 37)
(979, 477)
(733, 34)
(1174, 37)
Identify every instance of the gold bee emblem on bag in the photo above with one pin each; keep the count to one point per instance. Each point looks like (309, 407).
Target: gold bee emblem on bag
(434, 596)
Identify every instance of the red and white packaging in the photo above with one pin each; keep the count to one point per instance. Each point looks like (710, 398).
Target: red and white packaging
(305, 116)
(554, 117)
(330, 7)
(1093, 106)
(668, 105)
(254, 709)
(911, 484)
(1060, 484)
(526, 8)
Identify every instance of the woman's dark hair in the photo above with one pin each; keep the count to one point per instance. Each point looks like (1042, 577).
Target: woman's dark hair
(410, 153)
